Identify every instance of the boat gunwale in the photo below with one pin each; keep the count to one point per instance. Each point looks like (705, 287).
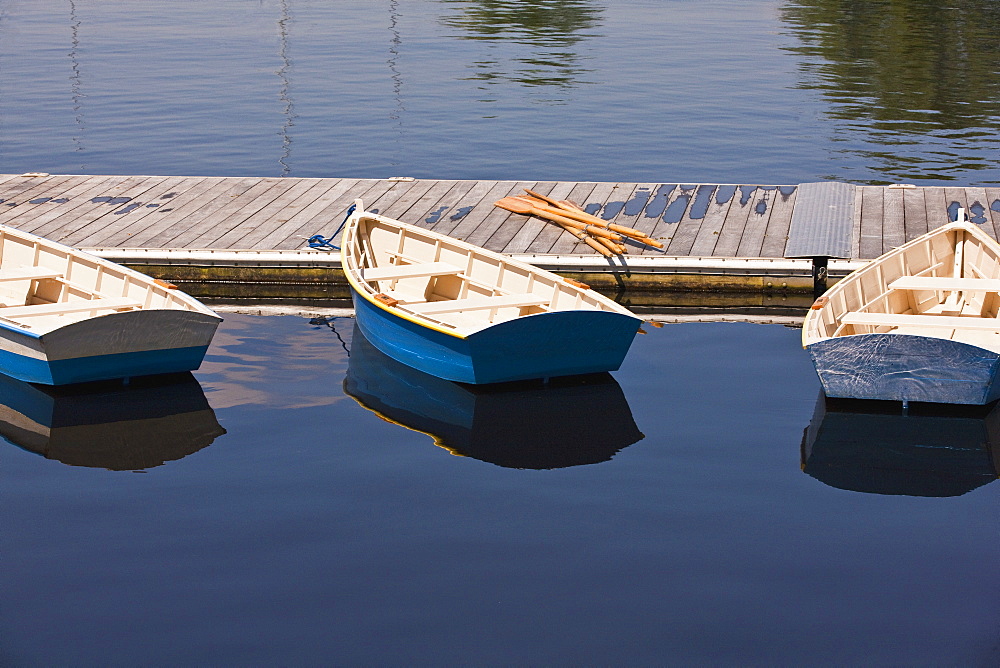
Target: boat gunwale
(352, 271)
(12, 325)
(844, 283)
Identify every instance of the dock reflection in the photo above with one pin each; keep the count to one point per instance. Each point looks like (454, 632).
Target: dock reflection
(526, 426)
(109, 425)
(869, 446)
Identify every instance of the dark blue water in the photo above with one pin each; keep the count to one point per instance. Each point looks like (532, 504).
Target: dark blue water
(324, 529)
(700, 507)
(664, 91)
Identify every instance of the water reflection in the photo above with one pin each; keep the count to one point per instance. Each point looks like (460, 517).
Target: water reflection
(530, 43)
(109, 425)
(869, 446)
(284, 91)
(524, 426)
(914, 80)
(76, 80)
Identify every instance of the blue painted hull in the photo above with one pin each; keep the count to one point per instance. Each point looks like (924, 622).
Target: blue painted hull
(544, 345)
(120, 345)
(903, 367)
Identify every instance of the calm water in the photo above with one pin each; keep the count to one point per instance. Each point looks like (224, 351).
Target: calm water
(728, 91)
(701, 507)
(323, 529)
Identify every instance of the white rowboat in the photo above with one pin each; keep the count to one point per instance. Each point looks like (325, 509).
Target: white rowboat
(466, 314)
(919, 323)
(70, 317)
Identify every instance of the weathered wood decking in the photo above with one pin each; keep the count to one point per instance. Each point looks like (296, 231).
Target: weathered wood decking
(278, 214)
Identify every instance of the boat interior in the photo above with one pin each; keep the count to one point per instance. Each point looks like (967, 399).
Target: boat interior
(43, 287)
(452, 284)
(946, 285)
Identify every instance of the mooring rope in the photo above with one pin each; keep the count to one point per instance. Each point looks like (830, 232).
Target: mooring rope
(320, 242)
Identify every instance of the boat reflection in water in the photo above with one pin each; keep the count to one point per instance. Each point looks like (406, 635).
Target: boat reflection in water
(572, 421)
(869, 446)
(152, 420)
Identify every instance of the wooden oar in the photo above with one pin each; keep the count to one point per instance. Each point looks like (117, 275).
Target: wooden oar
(571, 210)
(583, 217)
(517, 205)
(594, 243)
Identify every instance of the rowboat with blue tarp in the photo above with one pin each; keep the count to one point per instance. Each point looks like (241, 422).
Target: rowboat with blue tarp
(919, 323)
(69, 317)
(466, 314)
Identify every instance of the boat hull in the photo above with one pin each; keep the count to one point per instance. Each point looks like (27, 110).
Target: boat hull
(903, 367)
(544, 345)
(118, 345)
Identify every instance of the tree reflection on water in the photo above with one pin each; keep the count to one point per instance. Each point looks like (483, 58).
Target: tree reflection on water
(550, 29)
(915, 78)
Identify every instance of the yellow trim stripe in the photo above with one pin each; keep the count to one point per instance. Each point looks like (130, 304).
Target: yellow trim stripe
(397, 312)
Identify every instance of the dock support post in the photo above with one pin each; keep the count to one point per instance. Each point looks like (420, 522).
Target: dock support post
(819, 274)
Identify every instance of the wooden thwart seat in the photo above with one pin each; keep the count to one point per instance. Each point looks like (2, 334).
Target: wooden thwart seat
(946, 283)
(476, 303)
(916, 320)
(27, 273)
(75, 306)
(418, 270)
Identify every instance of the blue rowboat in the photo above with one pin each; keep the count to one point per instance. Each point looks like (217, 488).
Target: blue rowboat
(918, 324)
(70, 317)
(466, 314)
(525, 425)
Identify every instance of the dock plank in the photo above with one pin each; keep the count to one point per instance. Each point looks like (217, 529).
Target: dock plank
(693, 220)
(120, 193)
(979, 209)
(422, 211)
(273, 213)
(451, 207)
(776, 233)
(955, 197)
(71, 195)
(378, 199)
(856, 225)
(239, 207)
(715, 218)
(736, 221)
(993, 208)
(464, 204)
(292, 217)
(760, 215)
(288, 199)
(675, 206)
(199, 203)
(107, 226)
(18, 197)
(323, 216)
(914, 213)
(893, 218)
(22, 209)
(871, 221)
(178, 204)
(633, 213)
(470, 222)
(496, 217)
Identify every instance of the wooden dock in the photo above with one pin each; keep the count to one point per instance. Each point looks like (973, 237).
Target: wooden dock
(716, 236)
